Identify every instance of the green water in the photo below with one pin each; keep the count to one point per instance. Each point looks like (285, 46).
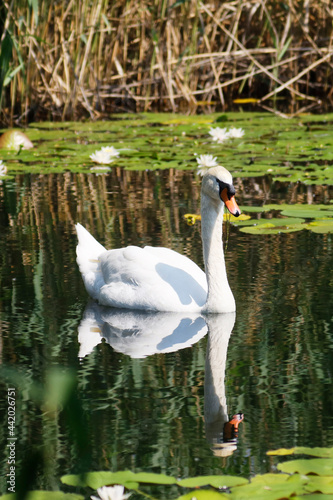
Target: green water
(111, 411)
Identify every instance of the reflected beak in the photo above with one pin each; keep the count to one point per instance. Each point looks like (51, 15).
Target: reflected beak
(230, 204)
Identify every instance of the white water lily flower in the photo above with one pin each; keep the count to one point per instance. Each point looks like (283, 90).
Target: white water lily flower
(219, 134)
(102, 157)
(111, 493)
(205, 162)
(236, 133)
(111, 150)
(3, 168)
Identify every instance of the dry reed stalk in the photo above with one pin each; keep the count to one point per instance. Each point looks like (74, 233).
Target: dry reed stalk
(297, 77)
(241, 46)
(84, 58)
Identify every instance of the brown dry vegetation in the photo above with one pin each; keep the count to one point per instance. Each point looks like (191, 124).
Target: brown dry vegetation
(76, 58)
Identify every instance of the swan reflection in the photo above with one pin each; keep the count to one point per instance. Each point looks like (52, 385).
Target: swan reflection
(221, 431)
(139, 334)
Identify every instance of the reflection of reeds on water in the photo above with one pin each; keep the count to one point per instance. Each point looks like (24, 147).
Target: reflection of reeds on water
(141, 208)
(107, 56)
(279, 339)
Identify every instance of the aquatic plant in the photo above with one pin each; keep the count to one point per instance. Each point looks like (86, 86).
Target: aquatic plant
(205, 162)
(105, 155)
(219, 134)
(235, 133)
(111, 493)
(3, 168)
(300, 477)
(15, 139)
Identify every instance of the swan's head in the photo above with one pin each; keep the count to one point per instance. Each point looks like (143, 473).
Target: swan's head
(217, 183)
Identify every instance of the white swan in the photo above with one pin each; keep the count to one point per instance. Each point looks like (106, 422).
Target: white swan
(160, 279)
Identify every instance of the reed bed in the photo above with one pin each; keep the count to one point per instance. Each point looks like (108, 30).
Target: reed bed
(77, 58)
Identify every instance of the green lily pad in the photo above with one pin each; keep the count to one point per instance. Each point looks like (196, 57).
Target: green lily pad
(303, 450)
(303, 211)
(215, 481)
(324, 484)
(320, 466)
(45, 495)
(314, 496)
(102, 478)
(204, 495)
(321, 226)
(291, 151)
(270, 487)
(307, 213)
(270, 228)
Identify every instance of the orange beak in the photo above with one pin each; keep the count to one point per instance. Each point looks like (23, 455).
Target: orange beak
(230, 204)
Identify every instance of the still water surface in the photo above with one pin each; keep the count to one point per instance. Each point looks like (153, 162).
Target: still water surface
(147, 397)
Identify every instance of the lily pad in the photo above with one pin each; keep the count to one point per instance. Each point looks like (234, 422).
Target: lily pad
(321, 226)
(215, 481)
(314, 496)
(270, 487)
(204, 495)
(304, 211)
(303, 450)
(292, 152)
(45, 495)
(275, 226)
(128, 478)
(320, 466)
(324, 484)
(191, 219)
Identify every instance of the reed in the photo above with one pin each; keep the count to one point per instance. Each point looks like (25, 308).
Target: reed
(74, 59)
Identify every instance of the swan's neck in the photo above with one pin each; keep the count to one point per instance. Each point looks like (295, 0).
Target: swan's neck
(220, 298)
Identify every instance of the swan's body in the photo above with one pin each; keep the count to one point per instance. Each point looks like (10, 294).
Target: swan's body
(160, 279)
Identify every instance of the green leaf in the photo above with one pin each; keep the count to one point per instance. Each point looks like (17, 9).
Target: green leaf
(320, 466)
(323, 226)
(270, 487)
(5, 58)
(152, 478)
(204, 495)
(324, 484)
(314, 496)
(34, 5)
(177, 3)
(102, 478)
(303, 450)
(215, 481)
(45, 495)
(307, 213)
(272, 228)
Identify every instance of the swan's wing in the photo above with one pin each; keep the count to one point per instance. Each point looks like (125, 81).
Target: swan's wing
(151, 278)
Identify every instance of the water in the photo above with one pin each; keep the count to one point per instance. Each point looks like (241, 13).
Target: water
(112, 411)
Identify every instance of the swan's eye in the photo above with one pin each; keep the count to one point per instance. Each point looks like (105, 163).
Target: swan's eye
(224, 185)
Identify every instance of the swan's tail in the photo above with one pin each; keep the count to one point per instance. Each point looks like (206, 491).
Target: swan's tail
(87, 252)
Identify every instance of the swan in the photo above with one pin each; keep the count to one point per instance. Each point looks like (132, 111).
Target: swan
(158, 278)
